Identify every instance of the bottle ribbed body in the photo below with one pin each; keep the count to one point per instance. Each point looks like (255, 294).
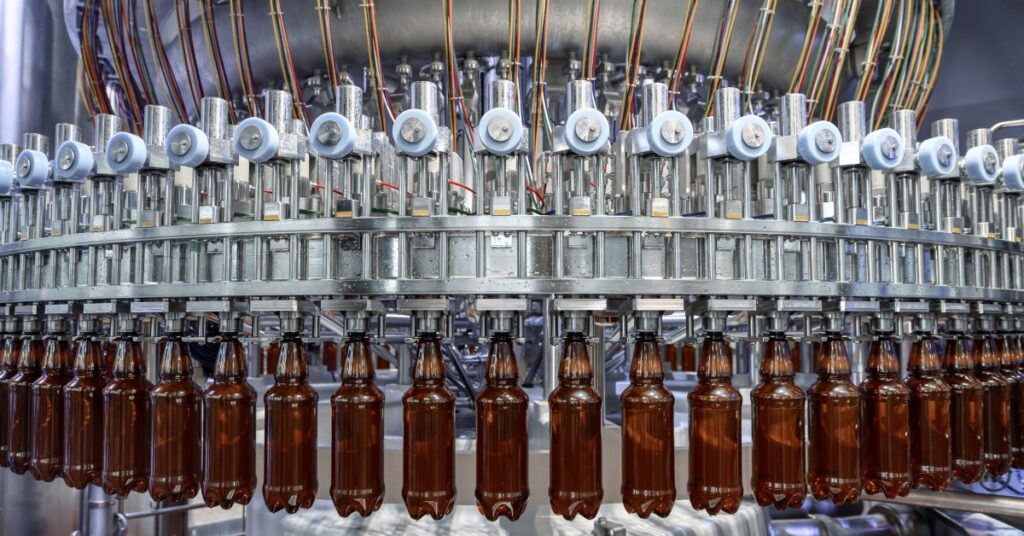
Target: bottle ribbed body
(357, 421)
(229, 433)
(289, 465)
(575, 486)
(996, 420)
(19, 405)
(48, 410)
(648, 444)
(885, 423)
(778, 472)
(502, 447)
(834, 426)
(966, 411)
(931, 455)
(428, 455)
(9, 357)
(126, 422)
(175, 462)
(83, 416)
(1013, 369)
(715, 482)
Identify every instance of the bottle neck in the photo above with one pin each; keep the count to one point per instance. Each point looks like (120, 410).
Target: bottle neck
(231, 366)
(176, 364)
(923, 359)
(57, 359)
(429, 368)
(832, 360)
(30, 358)
(128, 362)
(715, 360)
(10, 355)
(777, 365)
(957, 357)
(575, 368)
(502, 369)
(88, 358)
(357, 369)
(984, 353)
(645, 366)
(291, 363)
(882, 360)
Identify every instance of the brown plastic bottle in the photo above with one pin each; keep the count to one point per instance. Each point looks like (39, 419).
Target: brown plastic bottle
(9, 358)
(996, 419)
(19, 409)
(229, 432)
(1013, 369)
(329, 355)
(48, 410)
(428, 454)
(501, 434)
(83, 416)
(778, 474)
(965, 411)
(834, 426)
(289, 470)
(357, 422)
(671, 357)
(885, 418)
(648, 443)
(575, 482)
(175, 463)
(126, 422)
(688, 357)
(931, 457)
(715, 472)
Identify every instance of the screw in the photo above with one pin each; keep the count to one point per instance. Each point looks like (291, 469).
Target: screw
(945, 155)
(181, 144)
(251, 138)
(500, 129)
(67, 159)
(587, 129)
(329, 133)
(825, 141)
(121, 151)
(24, 166)
(890, 147)
(672, 131)
(990, 163)
(413, 130)
(753, 135)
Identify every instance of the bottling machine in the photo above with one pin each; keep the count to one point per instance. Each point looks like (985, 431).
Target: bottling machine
(512, 267)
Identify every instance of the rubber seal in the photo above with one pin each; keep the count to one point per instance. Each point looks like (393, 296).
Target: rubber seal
(974, 165)
(198, 151)
(807, 143)
(346, 136)
(656, 139)
(492, 145)
(929, 156)
(81, 161)
(1012, 174)
(586, 148)
(269, 140)
(423, 146)
(135, 156)
(32, 169)
(738, 148)
(872, 151)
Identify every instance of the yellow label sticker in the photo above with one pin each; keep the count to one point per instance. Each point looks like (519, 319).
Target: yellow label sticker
(502, 212)
(343, 214)
(581, 212)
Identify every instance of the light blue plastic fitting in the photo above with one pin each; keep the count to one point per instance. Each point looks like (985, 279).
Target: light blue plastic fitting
(1012, 174)
(581, 147)
(656, 139)
(930, 156)
(738, 148)
(876, 153)
(492, 145)
(198, 150)
(73, 161)
(424, 145)
(134, 157)
(810, 150)
(269, 140)
(6, 177)
(32, 169)
(346, 136)
(974, 165)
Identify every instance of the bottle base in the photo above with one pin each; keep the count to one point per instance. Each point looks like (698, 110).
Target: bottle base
(435, 508)
(717, 500)
(645, 506)
(289, 503)
(780, 496)
(839, 491)
(364, 505)
(45, 471)
(79, 478)
(997, 464)
(933, 480)
(892, 486)
(123, 486)
(226, 497)
(495, 505)
(968, 471)
(161, 490)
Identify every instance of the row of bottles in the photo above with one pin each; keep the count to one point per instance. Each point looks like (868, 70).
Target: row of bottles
(64, 418)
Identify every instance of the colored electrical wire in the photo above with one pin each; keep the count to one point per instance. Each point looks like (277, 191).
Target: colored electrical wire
(285, 61)
(515, 46)
(327, 39)
(241, 47)
(160, 54)
(117, 47)
(883, 14)
(757, 45)
(684, 48)
(723, 37)
(456, 104)
(590, 45)
(808, 45)
(131, 29)
(846, 37)
(210, 35)
(383, 99)
(539, 126)
(188, 53)
(633, 55)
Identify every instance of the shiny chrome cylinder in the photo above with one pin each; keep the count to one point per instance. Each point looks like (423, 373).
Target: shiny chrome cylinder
(728, 107)
(66, 132)
(853, 124)
(503, 95)
(106, 126)
(156, 124)
(213, 118)
(979, 136)
(905, 122)
(348, 101)
(654, 102)
(426, 96)
(36, 142)
(1006, 147)
(949, 128)
(579, 94)
(792, 114)
(277, 105)
(9, 152)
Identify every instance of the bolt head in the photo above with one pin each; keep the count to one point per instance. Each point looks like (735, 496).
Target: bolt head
(753, 135)
(181, 144)
(945, 155)
(413, 130)
(499, 129)
(329, 133)
(67, 159)
(24, 166)
(890, 147)
(672, 131)
(120, 152)
(990, 162)
(587, 129)
(826, 141)
(251, 138)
